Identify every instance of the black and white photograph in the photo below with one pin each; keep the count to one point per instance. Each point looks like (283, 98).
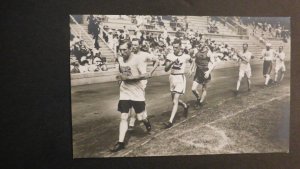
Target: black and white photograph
(175, 85)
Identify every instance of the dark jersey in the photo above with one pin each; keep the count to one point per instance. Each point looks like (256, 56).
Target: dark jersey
(202, 59)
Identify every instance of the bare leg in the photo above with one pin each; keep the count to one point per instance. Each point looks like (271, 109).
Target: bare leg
(175, 106)
(267, 79)
(143, 117)
(123, 126)
(182, 103)
(132, 117)
(203, 93)
(249, 83)
(276, 76)
(194, 90)
(238, 83)
(282, 75)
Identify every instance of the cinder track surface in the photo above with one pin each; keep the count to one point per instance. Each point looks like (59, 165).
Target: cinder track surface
(252, 122)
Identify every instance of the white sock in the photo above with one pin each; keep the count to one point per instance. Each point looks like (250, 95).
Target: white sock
(267, 79)
(123, 128)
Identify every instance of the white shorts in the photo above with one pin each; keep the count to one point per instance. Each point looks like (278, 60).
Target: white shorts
(245, 70)
(177, 83)
(280, 66)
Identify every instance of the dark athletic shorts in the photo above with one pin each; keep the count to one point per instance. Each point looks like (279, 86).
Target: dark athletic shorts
(267, 67)
(125, 105)
(199, 76)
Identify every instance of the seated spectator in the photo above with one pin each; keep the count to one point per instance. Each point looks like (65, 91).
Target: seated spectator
(80, 50)
(100, 64)
(75, 68)
(84, 65)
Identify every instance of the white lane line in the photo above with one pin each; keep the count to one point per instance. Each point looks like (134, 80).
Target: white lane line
(223, 118)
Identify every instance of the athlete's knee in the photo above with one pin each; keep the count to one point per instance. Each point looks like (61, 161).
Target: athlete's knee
(140, 116)
(194, 86)
(176, 99)
(204, 87)
(194, 90)
(124, 116)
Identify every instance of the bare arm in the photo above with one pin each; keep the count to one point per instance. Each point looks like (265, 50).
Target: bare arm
(192, 68)
(155, 66)
(242, 58)
(168, 65)
(133, 78)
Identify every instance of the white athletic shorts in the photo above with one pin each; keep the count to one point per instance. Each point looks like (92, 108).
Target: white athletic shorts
(245, 69)
(177, 83)
(280, 66)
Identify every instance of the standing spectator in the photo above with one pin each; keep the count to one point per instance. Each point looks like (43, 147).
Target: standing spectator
(270, 28)
(186, 23)
(96, 32)
(126, 31)
(138, 33)
(115, 44)
(168, 40)
(90, 20)
(225, 20)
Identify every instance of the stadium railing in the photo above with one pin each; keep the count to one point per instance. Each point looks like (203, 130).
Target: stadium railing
(79, 34)
(231, 24)
(82, 31)
(86, 34)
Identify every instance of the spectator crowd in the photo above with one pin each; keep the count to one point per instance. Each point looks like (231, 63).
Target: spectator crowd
(89, 59)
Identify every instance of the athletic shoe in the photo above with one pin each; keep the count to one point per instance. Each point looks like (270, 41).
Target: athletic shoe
(117, 147)
(168, 124)
(186, 110)
(201, 104)
(249, 90)
(147, 124)
(130, 128)
(236, 92)
(197, 103)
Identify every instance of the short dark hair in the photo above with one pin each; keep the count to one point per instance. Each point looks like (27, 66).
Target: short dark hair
(161, 44)
(245, 44)
(134, 39)
(128, 42)
(177, 41)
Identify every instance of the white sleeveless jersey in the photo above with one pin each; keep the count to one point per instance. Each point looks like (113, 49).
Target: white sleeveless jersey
(180, 62)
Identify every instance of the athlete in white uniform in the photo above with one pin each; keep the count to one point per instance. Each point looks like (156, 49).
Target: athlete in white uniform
(132, 91)
(176, 61)
(279, 65)
(268, 56)
(145, 58)
(245, 68)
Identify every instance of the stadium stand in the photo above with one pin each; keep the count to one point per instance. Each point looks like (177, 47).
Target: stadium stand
(156, 28)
